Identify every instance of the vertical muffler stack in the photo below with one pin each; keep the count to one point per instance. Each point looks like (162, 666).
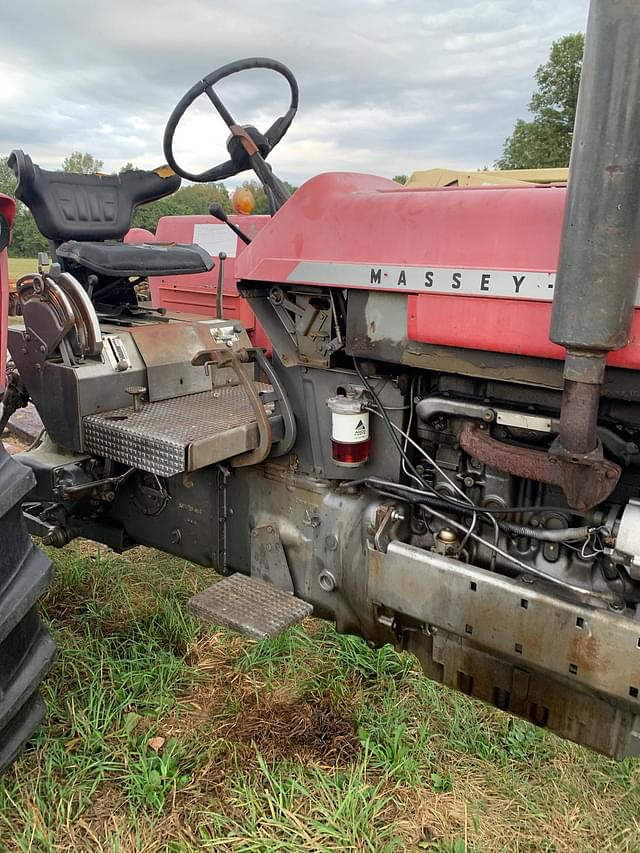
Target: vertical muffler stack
(598, 267)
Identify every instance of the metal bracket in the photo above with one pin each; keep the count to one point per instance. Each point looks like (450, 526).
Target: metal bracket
(268, 560)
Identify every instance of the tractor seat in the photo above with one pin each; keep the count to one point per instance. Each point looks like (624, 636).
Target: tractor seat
(76, 211)
(126, 259)
(70, 206)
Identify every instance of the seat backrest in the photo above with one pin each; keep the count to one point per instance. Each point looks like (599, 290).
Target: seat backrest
(69, 206)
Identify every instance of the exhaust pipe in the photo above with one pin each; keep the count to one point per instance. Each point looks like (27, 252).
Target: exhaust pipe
(597, 278)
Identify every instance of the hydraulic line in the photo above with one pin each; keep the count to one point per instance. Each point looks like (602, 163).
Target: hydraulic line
(544, 534)
(527, 569)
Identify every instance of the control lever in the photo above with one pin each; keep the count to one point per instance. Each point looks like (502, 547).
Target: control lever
(137, 392)
(218, 212)
(223, 357)
(222, 257)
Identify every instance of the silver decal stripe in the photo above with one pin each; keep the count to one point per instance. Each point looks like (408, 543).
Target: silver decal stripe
(517, 284)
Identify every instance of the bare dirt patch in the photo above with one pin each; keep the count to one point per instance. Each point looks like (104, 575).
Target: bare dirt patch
(306, 729)
(12, 443)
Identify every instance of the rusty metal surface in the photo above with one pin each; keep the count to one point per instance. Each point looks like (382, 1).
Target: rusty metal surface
(171, 436)
(586, 481)
(579, 416)
(533, 695)
(592, 653)
(167, 349)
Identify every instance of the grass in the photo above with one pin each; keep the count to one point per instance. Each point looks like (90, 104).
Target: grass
(166, 737)
(22, 266)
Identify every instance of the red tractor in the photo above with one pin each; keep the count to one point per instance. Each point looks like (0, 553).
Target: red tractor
(441, 452)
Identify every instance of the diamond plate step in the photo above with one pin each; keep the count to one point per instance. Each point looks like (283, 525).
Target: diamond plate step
(250, 606)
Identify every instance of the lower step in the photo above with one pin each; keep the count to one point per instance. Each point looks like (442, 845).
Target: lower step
(250, 606)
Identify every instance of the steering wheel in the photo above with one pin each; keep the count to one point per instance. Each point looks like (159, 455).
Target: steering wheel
(245, 142)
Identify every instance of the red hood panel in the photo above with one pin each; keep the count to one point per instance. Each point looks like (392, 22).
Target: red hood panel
(363, 219)
(459, 253)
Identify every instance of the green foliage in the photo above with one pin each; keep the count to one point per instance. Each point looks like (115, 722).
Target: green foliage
(7, 179)
(151, 777)
(262, 204)
(545, 142)
(441, 784)
(82, 162)
(128, 167)
(400, 179)
(26, 241)
(188, 200)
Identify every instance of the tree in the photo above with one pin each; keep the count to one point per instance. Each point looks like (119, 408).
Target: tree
(400, 179)
(128, 167)
(262, 203)
(189, 200)
(82, 163)
(26, 240)
(7, 178)
(545, 142)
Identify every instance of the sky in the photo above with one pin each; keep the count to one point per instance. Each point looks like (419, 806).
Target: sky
(386, 86)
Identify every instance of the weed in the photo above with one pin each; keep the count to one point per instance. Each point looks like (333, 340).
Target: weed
(151, 777)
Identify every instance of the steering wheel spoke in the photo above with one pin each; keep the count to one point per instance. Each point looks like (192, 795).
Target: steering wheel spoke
(226, 116)
(246, 145)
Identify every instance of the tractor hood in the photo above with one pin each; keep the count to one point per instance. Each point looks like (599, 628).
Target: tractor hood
(338, 227)
(477, 264)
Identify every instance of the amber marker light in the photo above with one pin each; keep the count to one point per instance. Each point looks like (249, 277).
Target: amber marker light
(243, 201)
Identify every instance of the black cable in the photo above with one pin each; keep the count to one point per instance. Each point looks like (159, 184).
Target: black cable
(450, 503)
(389, 425)
(563, 535)
(456, 505)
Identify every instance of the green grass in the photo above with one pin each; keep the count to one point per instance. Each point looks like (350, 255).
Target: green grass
(162, 736)
(22, 266)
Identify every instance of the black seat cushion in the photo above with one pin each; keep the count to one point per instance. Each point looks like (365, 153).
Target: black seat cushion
(69, 206)
(125, 259)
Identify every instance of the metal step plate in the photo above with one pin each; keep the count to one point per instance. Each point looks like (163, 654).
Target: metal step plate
(182, 434)
(250, 606)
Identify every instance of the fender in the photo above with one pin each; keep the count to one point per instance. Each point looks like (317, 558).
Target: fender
(7, 214)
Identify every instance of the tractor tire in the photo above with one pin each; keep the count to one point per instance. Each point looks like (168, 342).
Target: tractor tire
(26, 649)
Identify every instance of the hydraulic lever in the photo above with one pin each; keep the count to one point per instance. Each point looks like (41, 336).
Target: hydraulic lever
(218, 212)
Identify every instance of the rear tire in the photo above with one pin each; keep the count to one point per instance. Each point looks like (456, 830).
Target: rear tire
(26, 649)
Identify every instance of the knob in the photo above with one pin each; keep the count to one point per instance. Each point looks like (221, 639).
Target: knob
(137, 392)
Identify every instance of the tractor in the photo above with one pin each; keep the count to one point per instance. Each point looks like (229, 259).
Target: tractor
(439, 448)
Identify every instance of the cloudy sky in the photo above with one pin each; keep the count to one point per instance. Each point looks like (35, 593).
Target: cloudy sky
(387, 86)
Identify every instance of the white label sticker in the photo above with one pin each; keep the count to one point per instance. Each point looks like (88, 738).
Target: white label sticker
(215, 239)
